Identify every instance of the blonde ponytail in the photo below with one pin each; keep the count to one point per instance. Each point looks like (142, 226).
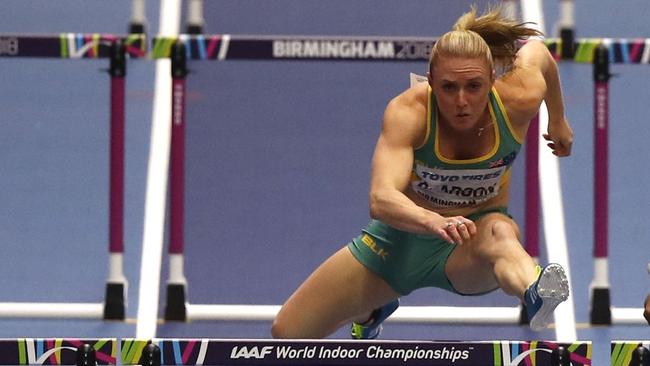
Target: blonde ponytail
(492, 36)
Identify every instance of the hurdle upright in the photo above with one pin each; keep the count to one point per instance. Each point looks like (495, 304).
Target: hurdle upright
(138, 23)
(195, 21)
(567, 29)
(177, 284)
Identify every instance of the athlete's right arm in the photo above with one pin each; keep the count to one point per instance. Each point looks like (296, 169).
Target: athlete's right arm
(402, 129)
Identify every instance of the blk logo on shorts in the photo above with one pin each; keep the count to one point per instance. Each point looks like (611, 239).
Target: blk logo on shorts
(372, 244)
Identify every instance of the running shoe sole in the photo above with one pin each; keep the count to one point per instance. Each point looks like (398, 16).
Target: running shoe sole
(553, 288)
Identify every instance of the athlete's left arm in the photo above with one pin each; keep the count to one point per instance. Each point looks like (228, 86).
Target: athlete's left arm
(537, 71)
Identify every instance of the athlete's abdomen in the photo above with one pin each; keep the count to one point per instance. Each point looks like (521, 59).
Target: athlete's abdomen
(501, 200)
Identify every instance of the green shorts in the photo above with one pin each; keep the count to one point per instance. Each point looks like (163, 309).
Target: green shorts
(407, 261)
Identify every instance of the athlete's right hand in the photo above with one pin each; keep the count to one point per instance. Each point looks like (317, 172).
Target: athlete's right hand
(455, 229)
(559, 137)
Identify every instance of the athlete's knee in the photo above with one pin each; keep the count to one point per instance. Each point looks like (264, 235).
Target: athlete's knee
(503, 230)
(501, 237)
(289, 325)
(282, 326)
(281, 329)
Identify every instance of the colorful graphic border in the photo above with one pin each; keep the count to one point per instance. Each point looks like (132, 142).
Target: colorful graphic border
(70, 45)
(54, 351)
(247, 47)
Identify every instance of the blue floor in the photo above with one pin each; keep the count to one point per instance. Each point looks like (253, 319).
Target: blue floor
(277, 165)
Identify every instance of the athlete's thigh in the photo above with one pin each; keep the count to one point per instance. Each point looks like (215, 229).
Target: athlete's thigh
(338, 291)
(469, 268)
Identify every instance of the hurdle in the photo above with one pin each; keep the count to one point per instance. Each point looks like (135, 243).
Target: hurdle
(602, 311)
(226, 352)
(58, 351)
(89, 46)
(602, 53)
(187, 47)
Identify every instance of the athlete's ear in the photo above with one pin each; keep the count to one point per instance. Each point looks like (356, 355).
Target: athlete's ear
(430, 78)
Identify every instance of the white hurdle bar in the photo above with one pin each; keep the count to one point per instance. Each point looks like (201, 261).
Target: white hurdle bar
(628, 316)
(52, 310)
(404, 314)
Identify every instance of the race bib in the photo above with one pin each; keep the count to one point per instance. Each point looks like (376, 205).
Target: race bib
(455, 188)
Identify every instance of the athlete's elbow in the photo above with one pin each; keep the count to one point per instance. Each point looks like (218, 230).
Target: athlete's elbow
(374, 213)
(376, 205)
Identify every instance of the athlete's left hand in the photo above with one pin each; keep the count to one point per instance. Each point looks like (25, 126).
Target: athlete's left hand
(560, 137)
(457, 230)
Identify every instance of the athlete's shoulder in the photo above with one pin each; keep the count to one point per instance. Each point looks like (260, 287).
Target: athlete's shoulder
(406, 114)
(519, 103)
(414, 99)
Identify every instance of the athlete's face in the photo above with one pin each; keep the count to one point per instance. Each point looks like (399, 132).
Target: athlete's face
(461, 86)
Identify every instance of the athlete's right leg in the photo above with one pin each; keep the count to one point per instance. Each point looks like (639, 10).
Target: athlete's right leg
(340, 291)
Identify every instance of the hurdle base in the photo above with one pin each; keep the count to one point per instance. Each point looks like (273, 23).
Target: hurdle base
(194, 29)
(601, 312)
(136, 28)
(567, 35)
(115, 304)
(176, 309)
